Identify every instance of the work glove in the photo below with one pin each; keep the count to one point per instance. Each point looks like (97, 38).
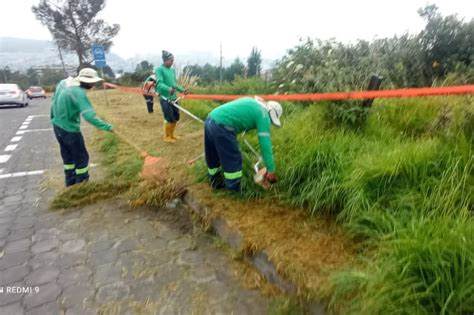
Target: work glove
(271, 177)
(172, 91)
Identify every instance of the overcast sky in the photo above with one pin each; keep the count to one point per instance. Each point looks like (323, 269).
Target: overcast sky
(184, 26)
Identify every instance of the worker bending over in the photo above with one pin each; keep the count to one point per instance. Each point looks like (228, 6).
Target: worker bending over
(220, 138)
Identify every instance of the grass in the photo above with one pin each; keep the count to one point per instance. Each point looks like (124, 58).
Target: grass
(401, 186)
(425, 267)
(122, 167)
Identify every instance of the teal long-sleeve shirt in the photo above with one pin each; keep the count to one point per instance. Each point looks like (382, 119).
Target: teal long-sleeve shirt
(165, 80)
(246, 114)
(69, 103)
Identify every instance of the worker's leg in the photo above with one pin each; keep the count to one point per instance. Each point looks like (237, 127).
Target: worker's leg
(176, 117)
(230, 157)
(81, 158)
(168, 114)
(212, 158)
(65, 144)
(149, 103)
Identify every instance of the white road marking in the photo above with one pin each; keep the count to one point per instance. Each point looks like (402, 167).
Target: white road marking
(11, 147)
(16, 139)
(4, 158)
(21, 174)
(38, 130)
(1, 170)
(32, 116)
(23, 127)
(20, 132)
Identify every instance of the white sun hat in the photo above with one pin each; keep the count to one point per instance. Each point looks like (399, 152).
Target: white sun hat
(274, 110)
(88, 75)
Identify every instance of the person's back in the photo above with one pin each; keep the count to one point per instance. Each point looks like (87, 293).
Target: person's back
(69, 103)
(242, 114)
(65, 112)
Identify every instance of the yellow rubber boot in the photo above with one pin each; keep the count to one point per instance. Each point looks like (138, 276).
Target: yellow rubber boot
(168, 137)
(173, 136)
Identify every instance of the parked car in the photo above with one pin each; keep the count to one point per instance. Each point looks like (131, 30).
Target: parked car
(12, 94)
(35, 92)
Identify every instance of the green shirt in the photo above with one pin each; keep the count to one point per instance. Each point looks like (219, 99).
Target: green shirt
(165, 80)
(69, 103)
(246, 114)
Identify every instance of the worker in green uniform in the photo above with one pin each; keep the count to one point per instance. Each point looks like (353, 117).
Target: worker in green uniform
(69, 103)
(220, 138)
(167, 87)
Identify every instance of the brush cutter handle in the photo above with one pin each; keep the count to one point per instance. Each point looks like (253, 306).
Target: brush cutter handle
(182, 109)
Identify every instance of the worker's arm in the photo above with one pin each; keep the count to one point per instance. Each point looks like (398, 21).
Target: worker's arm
(160, 80)
(263, 129)
(88, 112)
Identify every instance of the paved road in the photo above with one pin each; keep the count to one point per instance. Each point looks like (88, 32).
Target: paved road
(102, 259)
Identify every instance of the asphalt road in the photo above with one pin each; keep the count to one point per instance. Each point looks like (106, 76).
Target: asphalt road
(26, 139)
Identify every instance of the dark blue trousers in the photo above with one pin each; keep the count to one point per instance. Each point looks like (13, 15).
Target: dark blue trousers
(222, 153)
(149, 102)
(170, 112)
(74, 155)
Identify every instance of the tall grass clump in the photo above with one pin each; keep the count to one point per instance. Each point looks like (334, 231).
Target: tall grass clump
(403, 186)
(425, 267)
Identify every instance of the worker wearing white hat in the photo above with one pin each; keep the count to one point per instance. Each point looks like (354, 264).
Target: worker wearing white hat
(223, 157)
(69, 103)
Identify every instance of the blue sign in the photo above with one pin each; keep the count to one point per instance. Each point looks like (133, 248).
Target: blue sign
(99, 55)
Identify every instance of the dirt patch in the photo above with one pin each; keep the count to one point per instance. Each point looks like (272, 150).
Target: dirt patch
(304, 249)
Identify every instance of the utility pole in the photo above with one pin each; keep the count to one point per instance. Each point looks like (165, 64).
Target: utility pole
(220, 64)
(62, 61)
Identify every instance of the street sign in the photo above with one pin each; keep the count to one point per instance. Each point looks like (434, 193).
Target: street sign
(99, 55)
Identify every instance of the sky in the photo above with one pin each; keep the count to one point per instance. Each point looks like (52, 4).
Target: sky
(187, 26)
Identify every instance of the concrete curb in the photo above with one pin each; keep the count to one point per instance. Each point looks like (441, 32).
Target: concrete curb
(259, 259)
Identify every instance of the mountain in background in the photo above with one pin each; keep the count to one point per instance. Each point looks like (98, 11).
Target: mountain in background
(21, 54)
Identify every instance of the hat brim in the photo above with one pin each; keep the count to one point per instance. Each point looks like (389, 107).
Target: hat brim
(275, 120)
(90, 80)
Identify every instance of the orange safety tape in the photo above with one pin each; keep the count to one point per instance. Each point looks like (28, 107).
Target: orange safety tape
(354, 95)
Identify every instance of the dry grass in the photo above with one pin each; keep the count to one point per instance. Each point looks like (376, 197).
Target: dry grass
(304, 249)
(127, 112)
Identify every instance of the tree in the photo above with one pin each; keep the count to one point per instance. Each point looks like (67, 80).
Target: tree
(144, 66)
(447, 41)
(142, 71)
(107, 71)
(75, 26)
(254, 63)
(235, 69)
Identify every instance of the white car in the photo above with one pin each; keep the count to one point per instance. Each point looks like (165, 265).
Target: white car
(12, 94)
(35, 92)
